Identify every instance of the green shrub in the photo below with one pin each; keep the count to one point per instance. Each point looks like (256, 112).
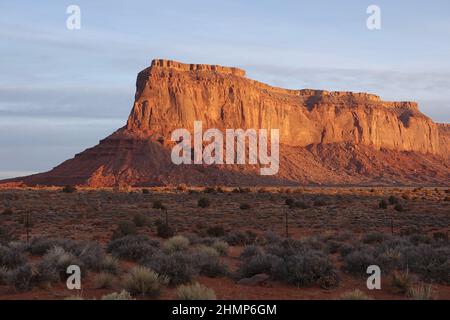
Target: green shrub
(203, 203)
(195, 291)
(144, 281)
(398, 207)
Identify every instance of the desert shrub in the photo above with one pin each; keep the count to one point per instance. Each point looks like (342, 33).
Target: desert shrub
(440, 236)
(374, 237)
(432, 264)
(144, 281)
(250, 251)
(40, 246)
(299, 205)
(357, 261)
(310, 267)
(90, 254)
(355, 295)
(23, 277)
(164, 231)
(140, 220)
(10, 258)
(4, 275)
(134, 247)
(69, 189)
(178, 267)
(333, 246)
(74, 297)
(236, 238)
(401, 282)
(398, 207)
(409, 230)
(216, 231)
(157, 204)
(271, 237)
(221, 247)
(145, 191)
(108, 264)
(176, 243)
(261, 263)
(122, 295)
(206, 250)
(289, 202)
(383, 204)
(7, 235)
(417, 239)
(206, 261)
(203, 203)
(319, 203)
(104, 280)
(195, 291)
(123, 229)
(53, 266)
(421, 292)
(393, 200)
(244, 206)
(7, 212)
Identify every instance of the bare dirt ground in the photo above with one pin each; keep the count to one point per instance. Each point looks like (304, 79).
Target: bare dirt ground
(93, 215)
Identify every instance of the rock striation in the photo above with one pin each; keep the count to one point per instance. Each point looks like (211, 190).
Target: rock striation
(326, 137)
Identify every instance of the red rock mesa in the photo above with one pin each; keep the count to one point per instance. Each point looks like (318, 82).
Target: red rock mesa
(331, 138)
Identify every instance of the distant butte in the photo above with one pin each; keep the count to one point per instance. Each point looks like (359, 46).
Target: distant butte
(327, 138)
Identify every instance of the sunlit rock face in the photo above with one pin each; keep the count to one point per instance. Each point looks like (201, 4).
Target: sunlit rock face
(326, 137)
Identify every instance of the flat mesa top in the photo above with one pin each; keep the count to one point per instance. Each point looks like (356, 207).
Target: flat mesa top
(162, 63)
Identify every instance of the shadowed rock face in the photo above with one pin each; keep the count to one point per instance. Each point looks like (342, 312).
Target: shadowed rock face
(326, 137)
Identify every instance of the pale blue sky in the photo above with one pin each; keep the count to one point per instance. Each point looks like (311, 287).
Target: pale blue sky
(61, 91)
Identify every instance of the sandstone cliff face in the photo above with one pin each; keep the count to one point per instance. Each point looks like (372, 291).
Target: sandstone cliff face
(334, 138)
(172, 95)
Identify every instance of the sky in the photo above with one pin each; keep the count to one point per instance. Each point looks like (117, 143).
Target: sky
(62, 90)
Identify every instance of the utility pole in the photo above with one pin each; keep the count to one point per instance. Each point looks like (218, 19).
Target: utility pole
(286, 219)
